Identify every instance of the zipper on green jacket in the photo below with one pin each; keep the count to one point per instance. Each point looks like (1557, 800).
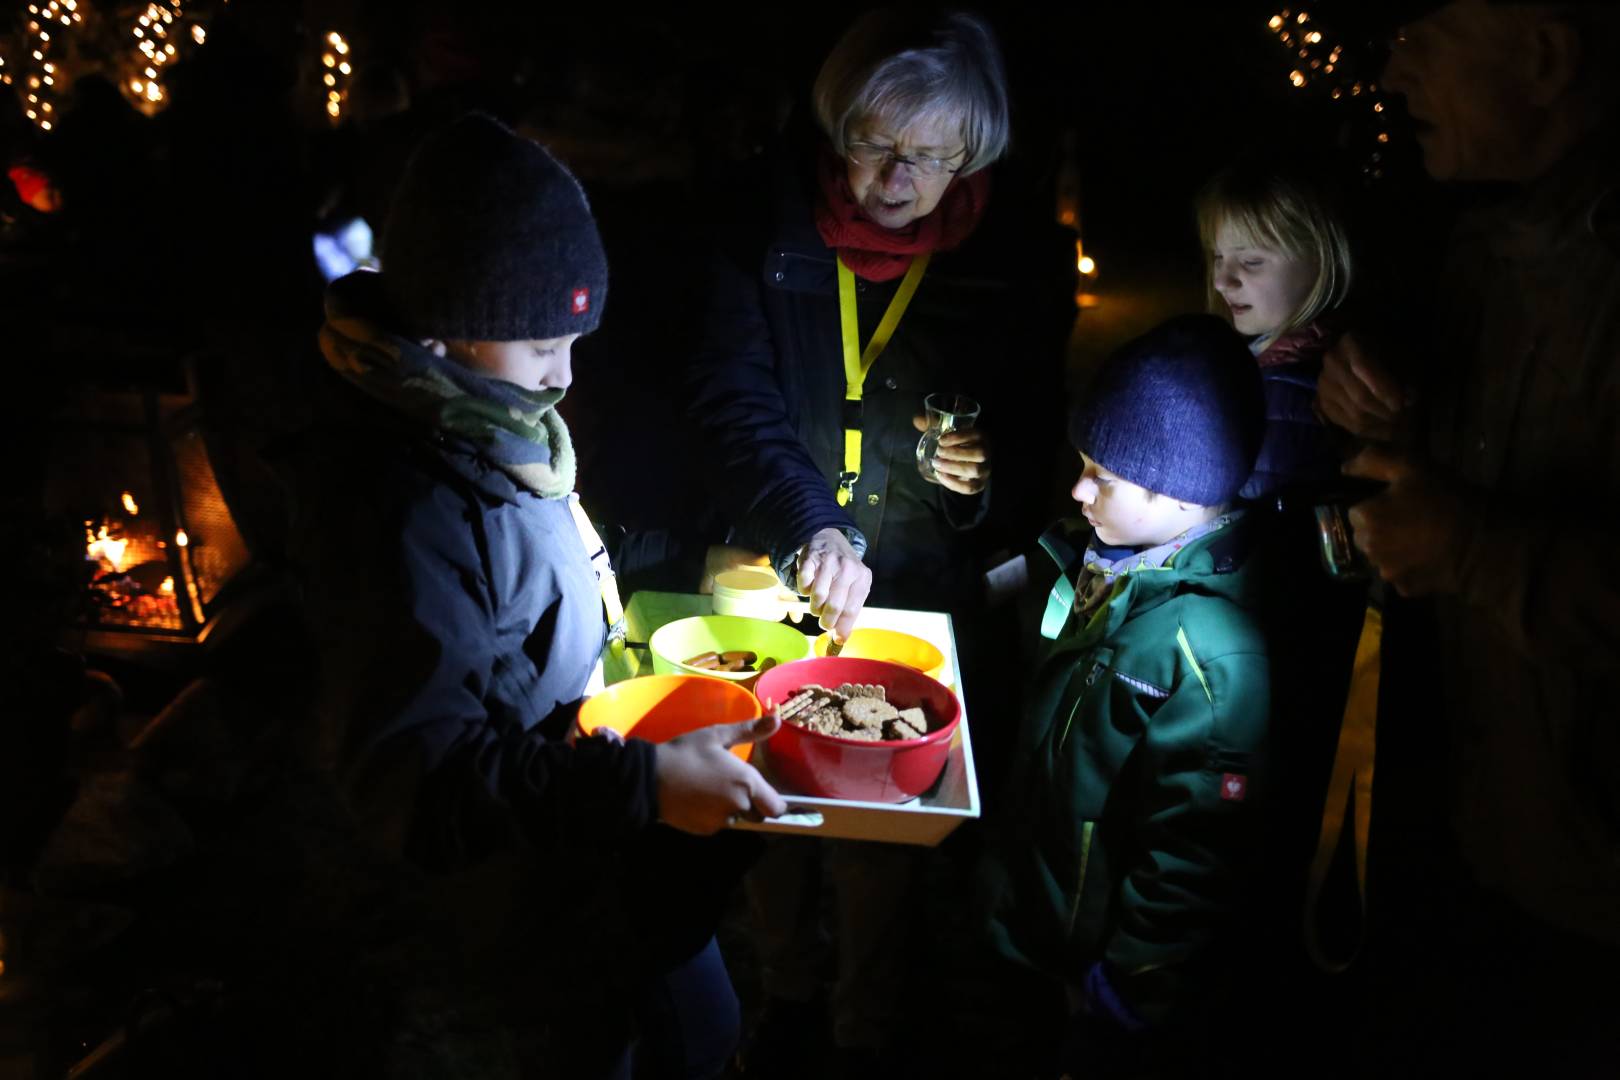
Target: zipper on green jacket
(1086, 828)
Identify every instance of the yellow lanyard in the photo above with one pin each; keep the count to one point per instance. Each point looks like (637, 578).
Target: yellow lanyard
(606, 581)
(858, 362)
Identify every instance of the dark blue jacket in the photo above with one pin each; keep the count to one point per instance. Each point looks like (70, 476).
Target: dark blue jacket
(989, 320)
(458, 619)
(1298, 455)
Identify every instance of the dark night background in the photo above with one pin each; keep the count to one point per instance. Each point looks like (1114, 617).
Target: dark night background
(184, 239)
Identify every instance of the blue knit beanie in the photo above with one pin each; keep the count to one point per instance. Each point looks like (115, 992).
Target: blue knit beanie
(490, 238)
(1178, 411)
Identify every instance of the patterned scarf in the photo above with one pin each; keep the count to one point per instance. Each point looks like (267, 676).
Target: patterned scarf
(879, 254)
(1105, 567)
(517, 429)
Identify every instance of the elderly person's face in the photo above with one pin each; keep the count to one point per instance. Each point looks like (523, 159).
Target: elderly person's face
(1465, 73)
(891, 193)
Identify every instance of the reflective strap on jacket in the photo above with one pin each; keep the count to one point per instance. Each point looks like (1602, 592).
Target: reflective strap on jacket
(857, 362)
(1060, 601)
(1349, 790)
(1186, 650)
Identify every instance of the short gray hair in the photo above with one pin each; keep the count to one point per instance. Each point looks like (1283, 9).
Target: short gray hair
(888, 67)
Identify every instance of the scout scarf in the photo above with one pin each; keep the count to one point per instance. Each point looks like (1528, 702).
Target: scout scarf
(1103, 567)
(517, 429)
(879, 254)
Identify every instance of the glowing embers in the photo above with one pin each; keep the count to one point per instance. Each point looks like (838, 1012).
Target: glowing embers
(157, 549)
(131, 573)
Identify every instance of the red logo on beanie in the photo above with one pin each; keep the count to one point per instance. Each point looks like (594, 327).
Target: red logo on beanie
(1234, 786)
(582, 301)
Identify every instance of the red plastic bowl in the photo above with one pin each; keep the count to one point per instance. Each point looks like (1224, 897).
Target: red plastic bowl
(822, 765)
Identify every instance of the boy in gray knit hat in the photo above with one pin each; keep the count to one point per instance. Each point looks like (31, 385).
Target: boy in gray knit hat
(455, 590)
(1144, 746)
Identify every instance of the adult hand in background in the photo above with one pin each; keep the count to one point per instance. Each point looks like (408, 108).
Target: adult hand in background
(962, 462)
(703, 787)
(1357, 393)
(835, 580)
(1415, 530)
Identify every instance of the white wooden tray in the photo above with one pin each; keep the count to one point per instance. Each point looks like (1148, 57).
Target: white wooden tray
(926, 820)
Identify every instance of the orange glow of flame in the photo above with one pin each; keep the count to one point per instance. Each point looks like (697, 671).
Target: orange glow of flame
(167, 588)
(129, 504)
(99, 545)
(181, 538)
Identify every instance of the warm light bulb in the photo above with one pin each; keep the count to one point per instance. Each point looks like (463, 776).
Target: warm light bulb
(1088, 265)
(181, 538)
(1296, 77)
(1276, 22)
(129, 504)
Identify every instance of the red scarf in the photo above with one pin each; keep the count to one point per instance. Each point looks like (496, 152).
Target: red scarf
(879, 254)
(1305, 343)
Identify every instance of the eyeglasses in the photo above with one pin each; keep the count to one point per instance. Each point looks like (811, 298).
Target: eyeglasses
(872, 156)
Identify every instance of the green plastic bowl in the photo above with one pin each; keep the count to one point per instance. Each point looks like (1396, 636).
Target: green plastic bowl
(674, 642)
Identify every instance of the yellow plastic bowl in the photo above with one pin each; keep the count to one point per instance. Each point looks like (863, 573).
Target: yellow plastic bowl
(674, 642)
(659, 707)
(872, 643)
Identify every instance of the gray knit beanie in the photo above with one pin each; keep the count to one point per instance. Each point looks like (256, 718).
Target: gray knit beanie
(1178, 411)
(490, 238)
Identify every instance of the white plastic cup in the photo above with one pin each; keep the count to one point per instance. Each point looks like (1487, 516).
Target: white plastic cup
(754, 593)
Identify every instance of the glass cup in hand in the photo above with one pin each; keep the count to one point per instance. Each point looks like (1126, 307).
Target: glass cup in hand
(946, 413)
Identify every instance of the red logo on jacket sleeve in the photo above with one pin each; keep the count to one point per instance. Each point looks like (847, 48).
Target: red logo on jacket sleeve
(582, 301)
(1234, 786)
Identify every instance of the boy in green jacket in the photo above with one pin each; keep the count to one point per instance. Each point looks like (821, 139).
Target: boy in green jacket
(1144, 744)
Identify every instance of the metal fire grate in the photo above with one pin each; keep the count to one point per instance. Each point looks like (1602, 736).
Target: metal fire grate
(161, 546)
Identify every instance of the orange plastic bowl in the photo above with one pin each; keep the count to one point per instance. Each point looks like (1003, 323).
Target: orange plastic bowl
(659, 707)
(874, 643)
(889, 772)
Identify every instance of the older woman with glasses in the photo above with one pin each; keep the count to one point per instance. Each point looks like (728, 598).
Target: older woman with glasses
(865, 267)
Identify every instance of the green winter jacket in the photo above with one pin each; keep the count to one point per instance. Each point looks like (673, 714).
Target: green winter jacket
(1142, 758)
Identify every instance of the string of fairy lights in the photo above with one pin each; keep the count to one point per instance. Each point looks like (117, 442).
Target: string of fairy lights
(336, 74)
(155, 34)
(46, 25)
(1319, 61)
(136, 47)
